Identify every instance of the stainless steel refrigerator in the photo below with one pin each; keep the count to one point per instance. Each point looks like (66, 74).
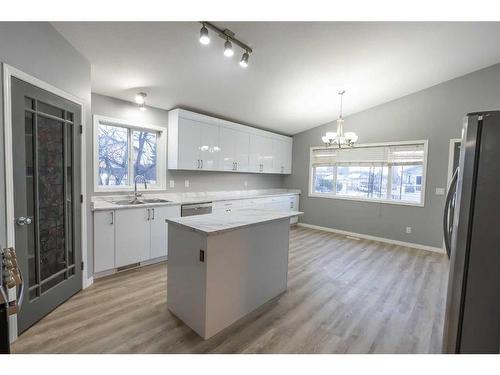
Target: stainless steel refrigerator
(472, 239)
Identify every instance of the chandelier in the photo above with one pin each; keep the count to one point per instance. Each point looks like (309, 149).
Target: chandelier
(340, 139)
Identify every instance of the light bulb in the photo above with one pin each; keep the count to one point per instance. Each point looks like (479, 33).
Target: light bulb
(244, 60)
(140, 98)
(228, 49)
(204, 38)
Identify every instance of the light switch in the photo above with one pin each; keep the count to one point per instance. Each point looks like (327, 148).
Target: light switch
(172, 183)
(186, 183)
(440, 191)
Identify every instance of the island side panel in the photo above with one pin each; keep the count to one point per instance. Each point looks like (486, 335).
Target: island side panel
(245, 268)
(186, 276)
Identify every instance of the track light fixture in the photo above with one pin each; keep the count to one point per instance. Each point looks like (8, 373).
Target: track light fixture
(140, 99)
(229, 38)
(228, 49)
(204, 38)
(244, 60)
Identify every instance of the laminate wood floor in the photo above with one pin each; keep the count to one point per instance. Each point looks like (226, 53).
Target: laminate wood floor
(344, 296)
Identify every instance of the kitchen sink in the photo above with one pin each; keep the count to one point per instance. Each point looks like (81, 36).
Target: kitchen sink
(140, 201)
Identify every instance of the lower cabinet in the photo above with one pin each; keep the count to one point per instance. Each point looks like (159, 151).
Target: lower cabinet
(104, 240)
(159, 229)
(132, 235)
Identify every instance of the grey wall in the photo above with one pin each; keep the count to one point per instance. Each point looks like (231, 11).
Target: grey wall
(435, 114)
(38, 49)
(198, 180)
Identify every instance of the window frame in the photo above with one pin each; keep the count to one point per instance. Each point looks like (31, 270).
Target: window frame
(161, 155)
(313, 194)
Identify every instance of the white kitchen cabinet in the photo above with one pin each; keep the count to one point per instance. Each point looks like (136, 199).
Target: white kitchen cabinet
(159, 229)
(104, 240)
(234, 146)
(282, 152)
(198, 145)
(189, 142)
(209, 147)
(200, 142)
(132, 234)
(261, 154)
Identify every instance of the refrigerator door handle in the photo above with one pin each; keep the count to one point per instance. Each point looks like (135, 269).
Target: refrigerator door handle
(447, 206)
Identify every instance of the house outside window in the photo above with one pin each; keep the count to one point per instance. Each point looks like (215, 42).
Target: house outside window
(389, 173)
(124, 150)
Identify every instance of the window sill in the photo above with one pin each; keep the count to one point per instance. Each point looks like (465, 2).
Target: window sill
(121, 189)
(357, 199)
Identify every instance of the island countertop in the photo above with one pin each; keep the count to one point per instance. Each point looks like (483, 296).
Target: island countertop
(221, 222)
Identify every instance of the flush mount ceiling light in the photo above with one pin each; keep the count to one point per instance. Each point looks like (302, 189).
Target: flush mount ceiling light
(339, 138)
(140, 99)
(229, 38)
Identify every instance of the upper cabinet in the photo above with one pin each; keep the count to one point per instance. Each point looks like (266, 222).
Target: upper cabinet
(199, 142)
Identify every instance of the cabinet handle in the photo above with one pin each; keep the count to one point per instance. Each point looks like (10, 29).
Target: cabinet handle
(201, 163)
(198, 161)
(148, 214)
(112, 217)
(153, 213)
(235, 165)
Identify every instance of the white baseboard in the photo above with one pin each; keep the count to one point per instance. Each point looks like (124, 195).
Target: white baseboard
(373, 238)
(88, 282)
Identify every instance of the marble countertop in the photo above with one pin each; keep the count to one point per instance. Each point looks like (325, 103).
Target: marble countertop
(175, 199)
(221, 222)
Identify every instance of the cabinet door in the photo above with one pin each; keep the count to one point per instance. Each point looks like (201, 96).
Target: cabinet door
(287, 157)
(189, 144)
(267, 154)
(241, 148)
(278, 156)
(209, 146)
(261, 154)
(159, 229)
(104, 240)
(132, 236)
(227, 149)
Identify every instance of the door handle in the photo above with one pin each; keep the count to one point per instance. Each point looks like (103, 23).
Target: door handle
(21, 220)
(446, 224)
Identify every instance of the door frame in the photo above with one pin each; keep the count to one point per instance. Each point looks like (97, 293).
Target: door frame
(9, 72)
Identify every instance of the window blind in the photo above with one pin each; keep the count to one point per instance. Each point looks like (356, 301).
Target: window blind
(371, 155)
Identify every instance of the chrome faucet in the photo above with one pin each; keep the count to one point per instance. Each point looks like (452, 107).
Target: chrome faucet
(136, 194)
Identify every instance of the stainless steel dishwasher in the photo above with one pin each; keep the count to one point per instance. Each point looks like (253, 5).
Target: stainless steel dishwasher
(196, 209)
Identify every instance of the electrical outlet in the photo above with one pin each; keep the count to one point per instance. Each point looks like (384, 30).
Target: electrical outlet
(172, 183)
(408, 230)
(186, 183)
(440, 191)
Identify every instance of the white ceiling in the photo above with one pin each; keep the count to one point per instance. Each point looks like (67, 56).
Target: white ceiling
(296, 69)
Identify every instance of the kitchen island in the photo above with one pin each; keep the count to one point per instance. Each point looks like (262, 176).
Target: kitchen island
(223, 266)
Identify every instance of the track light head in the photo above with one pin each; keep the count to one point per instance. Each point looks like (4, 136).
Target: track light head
(228, 49)
(140, 98)
(204, 38)
(244, 60)
(142, 107)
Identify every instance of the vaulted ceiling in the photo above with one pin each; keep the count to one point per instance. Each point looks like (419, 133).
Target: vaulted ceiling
(296, 69)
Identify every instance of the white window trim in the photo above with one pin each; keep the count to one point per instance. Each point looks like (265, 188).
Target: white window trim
(425, 142)
(161, 156)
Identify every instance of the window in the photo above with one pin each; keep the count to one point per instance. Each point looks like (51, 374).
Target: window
(124, 151)
(391, 173)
